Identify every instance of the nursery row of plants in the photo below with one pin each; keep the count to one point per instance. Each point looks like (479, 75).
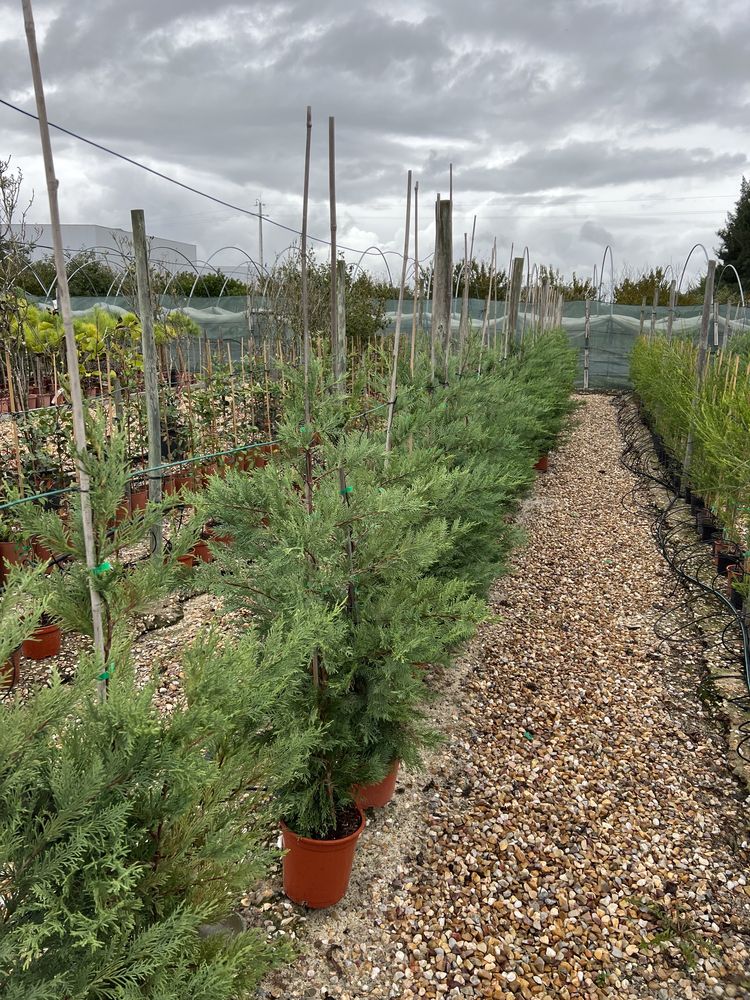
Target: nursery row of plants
(699, 415)
(355, 566)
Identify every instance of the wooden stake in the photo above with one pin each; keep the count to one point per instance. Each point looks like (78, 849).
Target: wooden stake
(63, 297)
(442, 281)
(514, 300)
(654, 307)
(150, 376)
(417, 281)
(586, 343)
(670, 314)
(700, 366)
(399, 311)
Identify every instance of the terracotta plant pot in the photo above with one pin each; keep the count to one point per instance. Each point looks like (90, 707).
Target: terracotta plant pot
(726, 554)
(542, 464)
(186, 560)
(201, 551)
(177, 481)
(45, 642)
(10, 671)
(10, 555)
(209, 533)
(316, 872)
(4, 404)
(378, 795)
(138, 499)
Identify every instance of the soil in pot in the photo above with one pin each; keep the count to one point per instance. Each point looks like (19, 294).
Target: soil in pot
(316, 872)
(10, 671)
(379, 794)
(542, 465)
(45, 641)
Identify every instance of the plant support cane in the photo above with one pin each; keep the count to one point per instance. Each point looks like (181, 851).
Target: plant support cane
(71, 349)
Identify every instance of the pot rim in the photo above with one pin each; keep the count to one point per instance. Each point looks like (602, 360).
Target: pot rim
(326, 845)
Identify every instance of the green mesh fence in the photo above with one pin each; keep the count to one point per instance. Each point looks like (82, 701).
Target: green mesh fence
(232, 324)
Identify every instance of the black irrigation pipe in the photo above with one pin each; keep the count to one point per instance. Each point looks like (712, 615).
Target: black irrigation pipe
(632, 429)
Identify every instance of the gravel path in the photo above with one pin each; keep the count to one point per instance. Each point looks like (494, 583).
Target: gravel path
(580, 834)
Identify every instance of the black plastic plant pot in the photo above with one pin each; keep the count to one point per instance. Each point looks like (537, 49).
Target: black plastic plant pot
(707, 526)
(735, 599)
(688, 494)
(696, 503)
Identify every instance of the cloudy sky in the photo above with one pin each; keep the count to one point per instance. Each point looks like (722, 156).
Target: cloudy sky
(570, 123)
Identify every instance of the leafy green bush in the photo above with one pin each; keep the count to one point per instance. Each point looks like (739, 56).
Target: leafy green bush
(124, 834)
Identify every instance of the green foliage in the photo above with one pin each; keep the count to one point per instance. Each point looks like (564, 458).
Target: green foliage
(664, 376)
(122, 835)
(358, 569)
(735, 240)
(340, 589)
(20, 609)
(125, 591)
(480, 272)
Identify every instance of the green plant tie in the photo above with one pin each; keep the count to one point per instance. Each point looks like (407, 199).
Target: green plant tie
(346, 490)
(105, 676)
(528, 735)
(104, 567)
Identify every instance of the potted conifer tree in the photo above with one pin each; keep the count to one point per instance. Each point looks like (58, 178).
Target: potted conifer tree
(338, 577)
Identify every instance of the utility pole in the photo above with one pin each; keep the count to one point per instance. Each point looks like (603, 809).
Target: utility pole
(259, 203)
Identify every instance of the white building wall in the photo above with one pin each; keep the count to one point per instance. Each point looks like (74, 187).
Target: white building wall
(110, 244)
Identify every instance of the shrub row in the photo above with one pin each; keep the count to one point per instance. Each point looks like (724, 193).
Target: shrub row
(127, 837)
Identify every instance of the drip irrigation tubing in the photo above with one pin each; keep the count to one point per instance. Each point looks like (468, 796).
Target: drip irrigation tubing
(686, 560)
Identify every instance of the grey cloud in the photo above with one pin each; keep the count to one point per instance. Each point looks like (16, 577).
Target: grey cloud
(591, 232)
(545, 108)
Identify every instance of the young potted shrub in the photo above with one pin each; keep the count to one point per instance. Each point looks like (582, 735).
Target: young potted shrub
(337, 582)
(20, 613)
(127, 590)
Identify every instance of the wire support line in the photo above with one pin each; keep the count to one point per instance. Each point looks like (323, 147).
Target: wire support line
(193, 190)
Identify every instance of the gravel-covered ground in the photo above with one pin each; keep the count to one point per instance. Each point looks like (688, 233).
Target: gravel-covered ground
(580, 834)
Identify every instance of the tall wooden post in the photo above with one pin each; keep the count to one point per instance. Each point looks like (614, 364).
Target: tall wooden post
(514, 301)
(700, 366)
(586, 343)
(339, 365)
(417, 282)
(670, 314)
(341, 315)
(150, 379)
(725, 338)
(442, 282)
(654, 307)
(399, 312)
(71, 350)
(643, 316)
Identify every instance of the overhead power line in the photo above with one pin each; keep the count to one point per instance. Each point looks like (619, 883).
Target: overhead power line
(189, 187)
